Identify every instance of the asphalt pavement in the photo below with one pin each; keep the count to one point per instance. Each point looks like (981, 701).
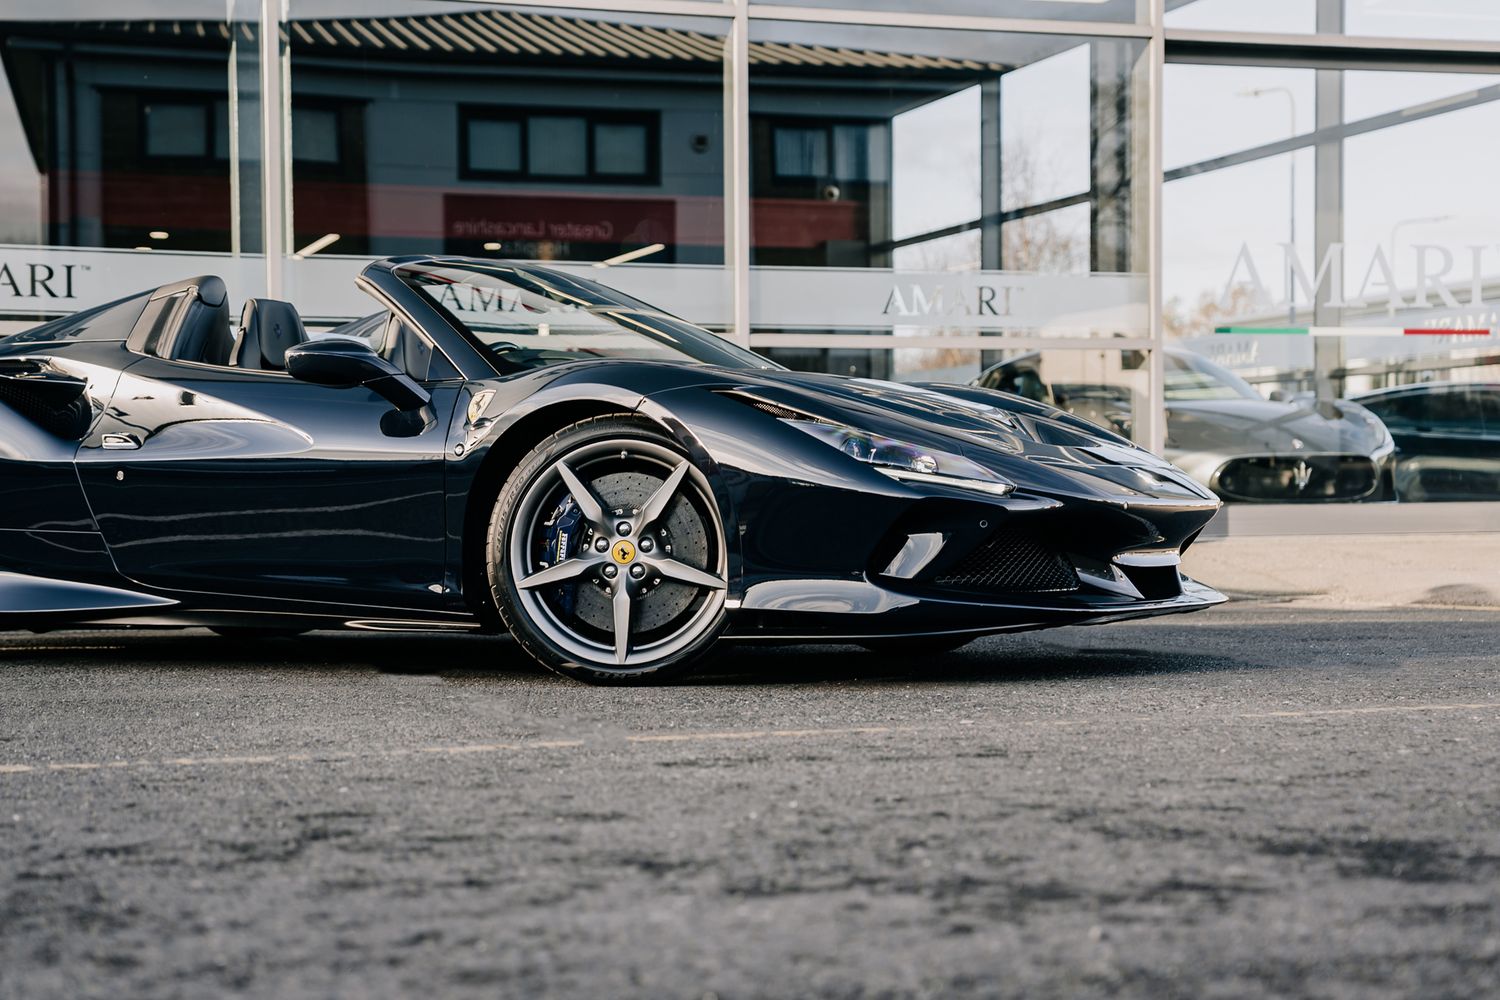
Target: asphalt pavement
(1263, 799)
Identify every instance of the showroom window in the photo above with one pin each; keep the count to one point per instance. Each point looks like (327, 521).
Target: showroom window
(119, 138)
(1410, 19)
(913, 191)
(570, 136)
(1320, 242)
(887, 188)
(910, 138)
(1061, 10)
(1302, 200)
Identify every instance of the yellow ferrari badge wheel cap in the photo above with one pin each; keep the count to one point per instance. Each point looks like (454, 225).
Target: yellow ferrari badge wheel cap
(623, 552)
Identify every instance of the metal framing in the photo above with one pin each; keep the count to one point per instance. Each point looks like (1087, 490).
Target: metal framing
(737, 16)
(737, 171)
(1156, 416)
(275, 112)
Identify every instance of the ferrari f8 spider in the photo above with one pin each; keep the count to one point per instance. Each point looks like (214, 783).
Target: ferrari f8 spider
(505, 447)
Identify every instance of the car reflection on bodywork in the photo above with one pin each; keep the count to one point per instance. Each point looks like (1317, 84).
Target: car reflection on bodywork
(1447, 438)
(1244, 447)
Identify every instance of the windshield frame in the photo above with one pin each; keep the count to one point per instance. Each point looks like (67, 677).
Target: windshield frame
(1199, 365)
(695, 344)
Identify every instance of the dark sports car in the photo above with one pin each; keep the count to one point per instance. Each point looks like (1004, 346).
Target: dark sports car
(501, 446)
(1447, 438)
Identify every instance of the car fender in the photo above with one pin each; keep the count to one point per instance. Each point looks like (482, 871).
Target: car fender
(513, 415)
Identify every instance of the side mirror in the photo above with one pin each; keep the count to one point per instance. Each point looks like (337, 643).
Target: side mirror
(345, 364)
(1280, 396)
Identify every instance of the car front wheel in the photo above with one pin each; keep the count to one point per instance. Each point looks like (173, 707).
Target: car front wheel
(606, 554)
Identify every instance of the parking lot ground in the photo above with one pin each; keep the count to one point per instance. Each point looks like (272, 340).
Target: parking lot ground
(1264, 799)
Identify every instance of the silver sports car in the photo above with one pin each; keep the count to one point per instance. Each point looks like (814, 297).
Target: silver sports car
(1229, 437)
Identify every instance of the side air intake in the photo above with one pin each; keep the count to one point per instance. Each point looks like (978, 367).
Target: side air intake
(55, 402)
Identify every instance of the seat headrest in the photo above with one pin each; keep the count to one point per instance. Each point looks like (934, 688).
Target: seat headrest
(212, 291)
(202, 328)
(268, 327)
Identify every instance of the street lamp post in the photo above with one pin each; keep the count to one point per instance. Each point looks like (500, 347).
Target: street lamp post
(1291, 102)
(1400, 224)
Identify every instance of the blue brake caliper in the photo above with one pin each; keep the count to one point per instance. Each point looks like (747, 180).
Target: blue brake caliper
(560, 542)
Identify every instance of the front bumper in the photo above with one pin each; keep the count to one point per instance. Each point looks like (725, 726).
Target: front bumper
(945, 563)
(837, 610)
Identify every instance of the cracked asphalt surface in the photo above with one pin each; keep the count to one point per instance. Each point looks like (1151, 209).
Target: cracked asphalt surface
(1257, 800)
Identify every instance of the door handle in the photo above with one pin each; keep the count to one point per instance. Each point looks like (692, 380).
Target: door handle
(121, 442)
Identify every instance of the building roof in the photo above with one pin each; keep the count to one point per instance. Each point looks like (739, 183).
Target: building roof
(487, 33)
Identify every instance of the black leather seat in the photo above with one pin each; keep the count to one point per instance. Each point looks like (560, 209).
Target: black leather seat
(268, 327)
(203, 334)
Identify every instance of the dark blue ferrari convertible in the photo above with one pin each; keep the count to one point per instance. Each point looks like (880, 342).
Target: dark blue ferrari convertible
(503, 447)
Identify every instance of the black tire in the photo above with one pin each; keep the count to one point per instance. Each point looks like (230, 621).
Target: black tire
(661, 570)
(917, 645)
(249, 632)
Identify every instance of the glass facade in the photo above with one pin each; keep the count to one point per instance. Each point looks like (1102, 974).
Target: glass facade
(128, 149)
(549, 134)
(1397, 19)
(1071, 10)
(1259, 237)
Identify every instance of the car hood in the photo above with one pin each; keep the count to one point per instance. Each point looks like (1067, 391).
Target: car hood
(1040, 444)
(1262, 427)
(982, 418)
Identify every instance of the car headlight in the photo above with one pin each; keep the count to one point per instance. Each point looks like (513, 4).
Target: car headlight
(1374, 423)
(904, 461)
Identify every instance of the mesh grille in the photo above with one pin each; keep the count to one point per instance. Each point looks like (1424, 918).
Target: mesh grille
(766, 406)
(1292, 477)
(70, 420)
(1011, 562)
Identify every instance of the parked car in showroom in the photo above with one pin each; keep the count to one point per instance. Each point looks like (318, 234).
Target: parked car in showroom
(1447, 438)
(1243, 446)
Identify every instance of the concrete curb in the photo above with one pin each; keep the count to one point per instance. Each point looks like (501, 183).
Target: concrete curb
(1354, 571)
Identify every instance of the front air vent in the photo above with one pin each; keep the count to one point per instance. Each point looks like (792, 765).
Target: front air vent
(1156, 583)
(767, 407)
(1011, 562)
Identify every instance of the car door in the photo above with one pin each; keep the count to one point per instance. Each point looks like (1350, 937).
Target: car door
(1442, 446)
(222, 480)
(1444, 422)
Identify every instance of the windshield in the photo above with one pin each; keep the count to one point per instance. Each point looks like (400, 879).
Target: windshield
(529, 317)
(1192, 376)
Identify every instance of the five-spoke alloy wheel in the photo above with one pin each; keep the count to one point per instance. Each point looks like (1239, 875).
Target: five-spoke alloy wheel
(606, 553)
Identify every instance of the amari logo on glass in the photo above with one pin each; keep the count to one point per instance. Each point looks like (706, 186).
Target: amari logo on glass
(32, 280)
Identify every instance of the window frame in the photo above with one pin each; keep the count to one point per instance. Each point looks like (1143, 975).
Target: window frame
(774, 123)
(824, 129)
(334, 167)
(650, 120)
(206, 100)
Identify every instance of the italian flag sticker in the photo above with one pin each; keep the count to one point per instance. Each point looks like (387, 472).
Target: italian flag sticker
(1355, 331)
